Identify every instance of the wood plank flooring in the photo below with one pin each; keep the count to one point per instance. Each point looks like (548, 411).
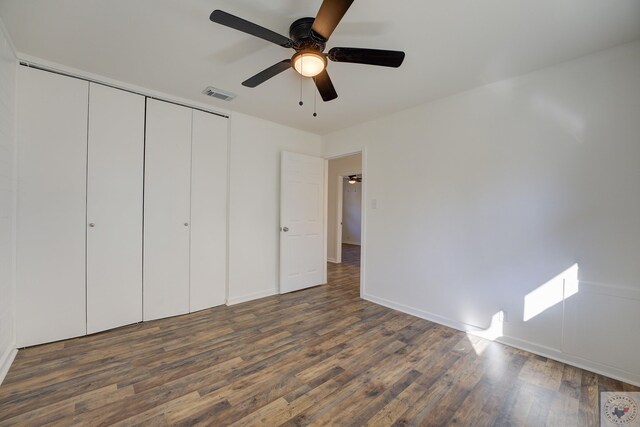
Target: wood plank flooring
(321, 356)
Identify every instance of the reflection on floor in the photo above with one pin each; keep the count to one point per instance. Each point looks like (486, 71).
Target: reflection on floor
(320, 356)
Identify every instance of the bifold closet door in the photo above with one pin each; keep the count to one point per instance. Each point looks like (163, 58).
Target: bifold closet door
(208, 211)
(166, 210)
(51, 227)
(114, 208)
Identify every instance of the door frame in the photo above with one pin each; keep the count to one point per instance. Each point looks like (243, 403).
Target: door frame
(363, 211)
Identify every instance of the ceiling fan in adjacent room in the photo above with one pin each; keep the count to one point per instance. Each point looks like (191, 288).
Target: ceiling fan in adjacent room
(352, 179)
(308, 37)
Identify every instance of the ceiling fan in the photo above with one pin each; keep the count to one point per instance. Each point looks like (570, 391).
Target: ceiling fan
(308, 37)
(352, 179)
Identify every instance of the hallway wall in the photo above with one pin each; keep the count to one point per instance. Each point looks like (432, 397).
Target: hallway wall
(351, 212)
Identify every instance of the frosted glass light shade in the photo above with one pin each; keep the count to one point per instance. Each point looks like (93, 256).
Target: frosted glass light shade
(309, 64)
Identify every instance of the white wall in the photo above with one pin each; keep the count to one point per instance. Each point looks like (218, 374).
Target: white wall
(254, 205)
(505, 187)
(341, 166)
(8, 65)
(351, 212)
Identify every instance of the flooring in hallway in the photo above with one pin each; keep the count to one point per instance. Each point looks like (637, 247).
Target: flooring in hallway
(350, 257)
(320, 356)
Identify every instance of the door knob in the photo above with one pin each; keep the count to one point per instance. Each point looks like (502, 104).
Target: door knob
(186, 224)
(91, 224)
(285, 229)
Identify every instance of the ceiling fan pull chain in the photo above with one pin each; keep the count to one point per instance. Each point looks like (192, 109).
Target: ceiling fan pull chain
(315, 101)
(300, 103)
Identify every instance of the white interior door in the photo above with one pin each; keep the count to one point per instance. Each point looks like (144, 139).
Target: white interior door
(114, 208)
(208, 211)
(302, 261)
(166, 210)
(51, 227)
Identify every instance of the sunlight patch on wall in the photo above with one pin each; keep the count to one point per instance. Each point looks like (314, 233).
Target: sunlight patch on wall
(493, 332)
(495, 329)
(551, 293)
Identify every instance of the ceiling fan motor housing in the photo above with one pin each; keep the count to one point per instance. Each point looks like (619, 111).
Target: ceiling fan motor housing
(306, 39)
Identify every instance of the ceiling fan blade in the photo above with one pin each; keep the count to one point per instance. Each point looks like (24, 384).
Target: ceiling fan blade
(385, 58)
(232, 21)
(265, 75)
(329, 16)
(325, 87)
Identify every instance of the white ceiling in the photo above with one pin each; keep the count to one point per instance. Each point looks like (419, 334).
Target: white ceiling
(451, 45)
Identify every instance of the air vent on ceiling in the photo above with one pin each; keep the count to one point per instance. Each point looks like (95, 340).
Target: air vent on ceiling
(219, 93)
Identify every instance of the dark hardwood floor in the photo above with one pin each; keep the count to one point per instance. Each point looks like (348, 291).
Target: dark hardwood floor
(321, 356)
(350, 258)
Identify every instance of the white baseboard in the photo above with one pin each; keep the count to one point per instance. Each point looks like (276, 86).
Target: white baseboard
(252, 296)
(420, 313)
(6, 360)
(573, 360)
(333, 260)
(531, 347)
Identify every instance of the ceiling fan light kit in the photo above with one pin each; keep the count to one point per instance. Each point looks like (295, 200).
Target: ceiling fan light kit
(309, 63)
(308, 37)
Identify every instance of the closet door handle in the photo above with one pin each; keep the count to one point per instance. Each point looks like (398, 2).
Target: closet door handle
(186, 224)
(91, 224)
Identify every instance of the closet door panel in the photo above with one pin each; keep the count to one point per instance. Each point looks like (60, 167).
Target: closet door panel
(52, 166)
(114, 208)
(166, 210)
(208, 211)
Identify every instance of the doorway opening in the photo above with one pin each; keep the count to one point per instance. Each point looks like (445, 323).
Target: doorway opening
(350, 218)
(344, 220)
